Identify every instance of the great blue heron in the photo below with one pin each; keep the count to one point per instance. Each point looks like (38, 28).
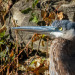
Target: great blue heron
(62, 50)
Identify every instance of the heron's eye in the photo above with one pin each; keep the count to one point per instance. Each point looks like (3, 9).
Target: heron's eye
(60, 28)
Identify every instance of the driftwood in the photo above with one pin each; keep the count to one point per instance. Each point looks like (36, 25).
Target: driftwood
(62, 57)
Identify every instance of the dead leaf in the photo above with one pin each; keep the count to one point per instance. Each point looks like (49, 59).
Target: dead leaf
(36, 37)
(52, 15)
(60, 16)
(43, 13)
(43, 44)
(12, 53)
(47, 19)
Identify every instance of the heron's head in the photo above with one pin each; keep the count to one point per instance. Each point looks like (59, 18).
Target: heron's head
(62, 28)
(66, 27)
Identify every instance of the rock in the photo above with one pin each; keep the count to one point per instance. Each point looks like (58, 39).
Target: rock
(69, 10)
(21, 20)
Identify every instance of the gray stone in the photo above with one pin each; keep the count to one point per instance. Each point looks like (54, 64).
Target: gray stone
(69, 10)
(21, 20)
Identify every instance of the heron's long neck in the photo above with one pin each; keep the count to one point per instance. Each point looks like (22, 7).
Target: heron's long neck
(62, 57)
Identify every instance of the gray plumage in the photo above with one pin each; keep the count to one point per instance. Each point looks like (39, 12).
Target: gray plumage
(68, 28)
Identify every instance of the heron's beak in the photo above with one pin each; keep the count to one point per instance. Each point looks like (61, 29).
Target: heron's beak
(38, 29)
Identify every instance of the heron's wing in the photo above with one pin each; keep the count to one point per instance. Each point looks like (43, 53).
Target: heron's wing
(38, 29)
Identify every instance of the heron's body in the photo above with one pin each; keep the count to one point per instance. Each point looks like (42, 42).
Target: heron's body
(62, 57)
